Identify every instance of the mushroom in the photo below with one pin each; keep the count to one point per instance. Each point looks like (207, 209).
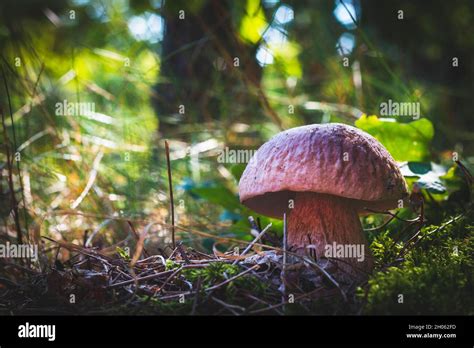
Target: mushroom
(323, 177)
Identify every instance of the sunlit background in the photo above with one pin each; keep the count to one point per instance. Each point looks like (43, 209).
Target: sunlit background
(289, 63)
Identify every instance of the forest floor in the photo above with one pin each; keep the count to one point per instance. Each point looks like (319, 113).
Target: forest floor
(433, 270)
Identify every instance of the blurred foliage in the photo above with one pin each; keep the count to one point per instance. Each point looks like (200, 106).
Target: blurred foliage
(254, 22)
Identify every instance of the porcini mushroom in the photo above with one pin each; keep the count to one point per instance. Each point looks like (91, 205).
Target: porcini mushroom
(323, 177)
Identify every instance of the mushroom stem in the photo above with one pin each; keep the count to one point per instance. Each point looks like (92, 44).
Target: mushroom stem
(332, 226)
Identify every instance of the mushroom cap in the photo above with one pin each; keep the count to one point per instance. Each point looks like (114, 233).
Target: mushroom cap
(334, 159)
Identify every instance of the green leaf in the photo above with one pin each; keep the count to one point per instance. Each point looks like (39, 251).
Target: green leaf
(453, 178)
(286, 57)
(253, 23)
(418, 168)
(404, 141)
(237, 170)
(219, 195)
(429, 175)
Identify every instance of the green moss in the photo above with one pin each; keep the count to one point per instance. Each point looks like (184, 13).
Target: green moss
(218, 272)
(124, 254)
(170, 265)
(436, 277)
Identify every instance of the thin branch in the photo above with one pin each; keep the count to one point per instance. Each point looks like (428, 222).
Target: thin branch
(11, 187)
(392, 215)
(170, 182)
(90, 182)
(383, 225)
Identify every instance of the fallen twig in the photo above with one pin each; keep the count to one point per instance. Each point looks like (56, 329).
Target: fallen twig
(250, 246)
(232, 278)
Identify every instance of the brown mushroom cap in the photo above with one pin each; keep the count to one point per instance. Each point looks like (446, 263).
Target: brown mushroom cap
(333, 159)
